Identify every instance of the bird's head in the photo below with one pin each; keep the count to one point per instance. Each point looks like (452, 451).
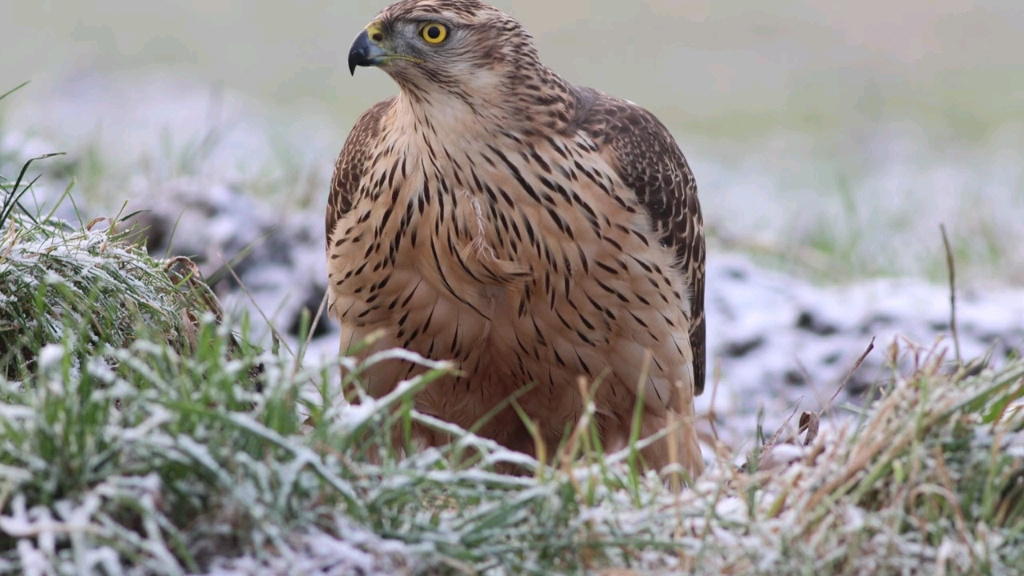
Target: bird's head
(466, 48)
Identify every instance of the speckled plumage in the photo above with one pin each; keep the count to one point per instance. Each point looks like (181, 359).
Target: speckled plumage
(528, 229)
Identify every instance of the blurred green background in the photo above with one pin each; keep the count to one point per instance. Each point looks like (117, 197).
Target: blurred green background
(829, 137)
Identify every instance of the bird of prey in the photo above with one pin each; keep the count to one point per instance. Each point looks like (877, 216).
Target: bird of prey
(532, 231)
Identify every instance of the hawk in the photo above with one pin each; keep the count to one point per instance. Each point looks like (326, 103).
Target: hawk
(532, 231)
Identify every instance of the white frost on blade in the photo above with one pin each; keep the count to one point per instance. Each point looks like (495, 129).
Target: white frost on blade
(53, 278)
(354, 415)
(511, 457)
(33, 562)
(406, 355)
(854, 518)
(1014, 445)
(98, 368)
(11, 475)
(358, 551)
(202, 455)
(480, 476)
(104, 557)
(50, 356)
(39, 522)
(16, 412)
(732, 508)
(159, 417)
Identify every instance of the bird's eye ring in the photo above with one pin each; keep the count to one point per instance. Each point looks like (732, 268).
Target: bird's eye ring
(434, 33)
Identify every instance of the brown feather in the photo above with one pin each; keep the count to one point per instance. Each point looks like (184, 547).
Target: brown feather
(352, 163)
(650, 163)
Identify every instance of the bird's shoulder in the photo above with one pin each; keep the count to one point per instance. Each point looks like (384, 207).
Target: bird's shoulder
(354, 160)
(640, 146)
(648, 161)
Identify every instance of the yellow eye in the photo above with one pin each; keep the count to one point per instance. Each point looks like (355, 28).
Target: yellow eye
(434, 33)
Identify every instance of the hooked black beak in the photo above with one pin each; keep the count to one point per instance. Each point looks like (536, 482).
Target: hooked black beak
(364, 53)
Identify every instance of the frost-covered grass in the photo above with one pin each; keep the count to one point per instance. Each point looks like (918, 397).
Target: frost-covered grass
(134, 457)
(138, 435)
(53, 277)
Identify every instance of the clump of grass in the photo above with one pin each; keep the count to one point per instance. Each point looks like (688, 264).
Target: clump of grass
(53, 276)
(930, 477)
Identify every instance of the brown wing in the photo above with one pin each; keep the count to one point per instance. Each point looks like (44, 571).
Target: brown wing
(650, 163)
(353, 162)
